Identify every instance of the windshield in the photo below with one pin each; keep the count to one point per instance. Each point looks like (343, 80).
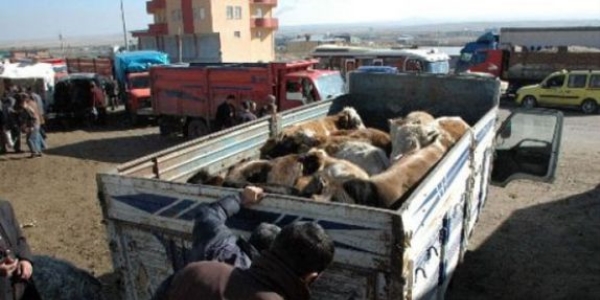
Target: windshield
(142, 82)
(438, 67)
(330, 86)
(466, 56)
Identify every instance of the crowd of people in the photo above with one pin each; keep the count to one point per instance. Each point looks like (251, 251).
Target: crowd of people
(228, 115)
(22, 112)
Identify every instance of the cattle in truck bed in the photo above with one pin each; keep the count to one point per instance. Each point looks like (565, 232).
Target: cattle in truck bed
(326, 161)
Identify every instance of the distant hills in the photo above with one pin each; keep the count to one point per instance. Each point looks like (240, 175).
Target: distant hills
(426, 25)
(404, 26)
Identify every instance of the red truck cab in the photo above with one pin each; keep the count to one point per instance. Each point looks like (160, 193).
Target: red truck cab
(138, 95)
(186, 96)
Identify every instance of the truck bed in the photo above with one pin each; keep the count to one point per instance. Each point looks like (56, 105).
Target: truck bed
(409, 253)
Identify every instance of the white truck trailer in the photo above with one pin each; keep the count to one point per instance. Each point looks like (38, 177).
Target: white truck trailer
(409, 253)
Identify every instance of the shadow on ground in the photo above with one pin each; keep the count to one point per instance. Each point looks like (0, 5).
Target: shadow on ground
(550, 251)
(116, 150)
(115, 121)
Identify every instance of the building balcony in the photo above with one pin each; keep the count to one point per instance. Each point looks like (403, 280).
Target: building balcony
(264, 2)
(154, 5)
(267, 23)
(158, 28)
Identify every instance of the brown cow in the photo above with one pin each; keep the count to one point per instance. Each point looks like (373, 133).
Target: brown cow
(388, 189)
(295, 138)
(452, 128)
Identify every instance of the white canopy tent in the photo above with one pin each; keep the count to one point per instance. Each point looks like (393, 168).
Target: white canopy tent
(39, 76)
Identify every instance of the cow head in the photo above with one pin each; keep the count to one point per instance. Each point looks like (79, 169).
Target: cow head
(410, 137)
(313, 161)
(349, 119)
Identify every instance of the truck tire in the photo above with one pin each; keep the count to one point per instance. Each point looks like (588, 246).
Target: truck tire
(529, 102)
(589, 106)
(196, 128)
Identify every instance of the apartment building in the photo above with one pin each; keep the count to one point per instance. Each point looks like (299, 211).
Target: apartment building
(212, 30)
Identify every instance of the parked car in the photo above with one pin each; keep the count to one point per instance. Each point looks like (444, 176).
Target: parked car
(565, 88)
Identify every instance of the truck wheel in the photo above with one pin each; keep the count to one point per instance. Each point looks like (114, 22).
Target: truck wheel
(529, 102)
(589, 106)
(196, 128)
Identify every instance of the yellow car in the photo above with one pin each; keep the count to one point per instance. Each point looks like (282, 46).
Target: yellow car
(565, 88)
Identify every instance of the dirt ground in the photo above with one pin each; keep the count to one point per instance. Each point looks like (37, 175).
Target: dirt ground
(533, 241)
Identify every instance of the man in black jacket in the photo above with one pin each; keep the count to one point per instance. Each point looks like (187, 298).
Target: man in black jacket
(214, 241)
(226, 115)
(15, 258)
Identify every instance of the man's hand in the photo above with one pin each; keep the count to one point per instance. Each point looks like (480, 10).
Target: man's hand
(251, 195)
(25, 269)
(8, 267)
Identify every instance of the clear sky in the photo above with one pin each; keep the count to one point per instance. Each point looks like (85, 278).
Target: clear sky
(32, 19)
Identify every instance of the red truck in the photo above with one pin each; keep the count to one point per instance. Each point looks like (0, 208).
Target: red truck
(185, 97)
(523, 56)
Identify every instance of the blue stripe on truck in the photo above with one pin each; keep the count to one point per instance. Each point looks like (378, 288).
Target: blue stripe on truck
(441, 188)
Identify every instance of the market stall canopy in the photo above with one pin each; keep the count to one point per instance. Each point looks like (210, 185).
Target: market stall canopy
(21, 71)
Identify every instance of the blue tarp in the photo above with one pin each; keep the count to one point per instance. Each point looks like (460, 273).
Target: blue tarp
(137, 61)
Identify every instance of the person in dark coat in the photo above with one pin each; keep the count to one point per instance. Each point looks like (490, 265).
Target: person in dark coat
(15, 259)
(225, 117)
(299, 254)
(214, 241)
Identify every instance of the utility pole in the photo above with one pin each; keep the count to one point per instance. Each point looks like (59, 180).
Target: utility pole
(180, 44)
(124, 27)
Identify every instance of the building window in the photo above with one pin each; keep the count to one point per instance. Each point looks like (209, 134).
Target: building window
(229, 12)
(199, 13)
(259, 13)
(237, 34)
(238, 13)
(258, 34)
(176, 15)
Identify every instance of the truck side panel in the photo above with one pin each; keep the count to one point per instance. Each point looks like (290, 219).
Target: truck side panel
(150, 224)
(197, 91)
(102, 66)
(534, 66)
(178, 91)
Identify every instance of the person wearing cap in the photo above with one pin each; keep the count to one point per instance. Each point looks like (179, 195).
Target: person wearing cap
(15, 258)
(214, 241)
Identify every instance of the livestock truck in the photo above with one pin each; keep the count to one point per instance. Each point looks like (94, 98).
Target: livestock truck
(408, 253)
(131, 73)
(186, 96)
(524, 56)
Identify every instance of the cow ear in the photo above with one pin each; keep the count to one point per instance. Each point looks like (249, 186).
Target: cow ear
(433, 135)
